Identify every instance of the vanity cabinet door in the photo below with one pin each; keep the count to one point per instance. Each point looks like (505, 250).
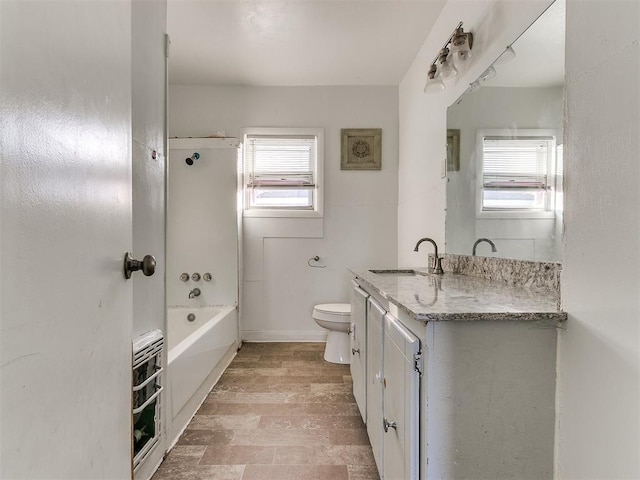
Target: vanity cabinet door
(375, 319)
(401, 402)
(358, 344)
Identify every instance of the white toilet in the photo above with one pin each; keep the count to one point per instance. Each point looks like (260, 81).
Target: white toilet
(335, 317)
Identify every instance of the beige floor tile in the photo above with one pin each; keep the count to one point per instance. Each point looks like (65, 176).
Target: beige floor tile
(250, 372)
(246, 397)
(201, 472)
(205, 437)
(238, 455)
(363, 472)
(324, 455)
(224, 422)
(293, 409)
(310, 422)
(186, 455)
(241, 387)
(296, 472)
(320, 397)
(280, 438)
(352, 436)
(332, 388)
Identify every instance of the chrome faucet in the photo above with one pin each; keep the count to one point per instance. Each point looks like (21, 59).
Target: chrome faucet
(493, 245)
(437, 261)
(194, 293)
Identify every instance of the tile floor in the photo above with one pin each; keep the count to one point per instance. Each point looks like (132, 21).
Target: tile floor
(278, 412)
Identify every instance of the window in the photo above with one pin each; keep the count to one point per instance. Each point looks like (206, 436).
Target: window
(517, 173)
(283, 172)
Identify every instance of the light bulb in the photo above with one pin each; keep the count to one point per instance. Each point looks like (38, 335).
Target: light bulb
(508, 55)
(460, 51)
(474, 87)
(488, 74)
(434, 85)
(434, 82)
(446, 69)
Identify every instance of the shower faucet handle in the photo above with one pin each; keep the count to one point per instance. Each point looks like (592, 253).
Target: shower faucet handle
(184, 277)
(195, 277)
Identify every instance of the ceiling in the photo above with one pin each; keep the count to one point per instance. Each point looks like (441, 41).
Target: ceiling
(296, 42)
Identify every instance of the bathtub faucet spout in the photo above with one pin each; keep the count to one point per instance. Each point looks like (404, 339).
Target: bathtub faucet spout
(194, 293)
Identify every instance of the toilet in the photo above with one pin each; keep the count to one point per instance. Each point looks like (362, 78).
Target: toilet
(335, 317)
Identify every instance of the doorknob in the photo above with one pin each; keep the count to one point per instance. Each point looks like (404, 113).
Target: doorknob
(147, 265)
(387, 425)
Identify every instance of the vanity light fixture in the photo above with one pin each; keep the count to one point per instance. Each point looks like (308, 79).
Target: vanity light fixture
(490, 73)
(451, 58)
(474, 86)
(508, 55)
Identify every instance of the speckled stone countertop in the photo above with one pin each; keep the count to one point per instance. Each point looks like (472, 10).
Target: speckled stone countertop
(452, 297)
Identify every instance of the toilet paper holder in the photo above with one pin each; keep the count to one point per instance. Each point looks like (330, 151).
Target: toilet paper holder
(315, 258)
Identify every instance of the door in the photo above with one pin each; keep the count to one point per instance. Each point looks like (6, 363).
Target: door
(401, 402)
(358, 341)
(66, 312)
(375, 319)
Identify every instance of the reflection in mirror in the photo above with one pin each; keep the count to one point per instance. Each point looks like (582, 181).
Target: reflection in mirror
(504, 139)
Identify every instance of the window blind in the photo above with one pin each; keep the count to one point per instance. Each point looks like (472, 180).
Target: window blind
(285, 161)
(520, 162)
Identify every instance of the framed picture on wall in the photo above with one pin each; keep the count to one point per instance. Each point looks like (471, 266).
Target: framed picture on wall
(361, 149)
(453, 150)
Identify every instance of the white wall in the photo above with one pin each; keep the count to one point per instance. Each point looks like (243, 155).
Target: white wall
(422, 191)
(202, 232)
(499, 108)
(148, 113)
(360, 208)
(599, 377)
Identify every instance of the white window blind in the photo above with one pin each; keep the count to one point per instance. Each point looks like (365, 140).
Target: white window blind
(281, 171)
(516, 172)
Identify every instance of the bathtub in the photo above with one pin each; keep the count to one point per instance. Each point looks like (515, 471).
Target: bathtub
(199, 351)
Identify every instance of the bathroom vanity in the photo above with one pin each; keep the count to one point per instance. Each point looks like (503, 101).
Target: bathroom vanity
(455, 375)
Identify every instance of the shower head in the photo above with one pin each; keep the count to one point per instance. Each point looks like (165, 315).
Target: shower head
(192, 158)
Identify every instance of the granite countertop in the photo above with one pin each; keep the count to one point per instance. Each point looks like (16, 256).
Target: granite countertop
(453, 297)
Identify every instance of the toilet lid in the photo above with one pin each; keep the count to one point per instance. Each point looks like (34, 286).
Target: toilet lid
(334, 308)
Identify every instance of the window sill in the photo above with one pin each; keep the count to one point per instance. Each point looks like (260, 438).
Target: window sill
(512, 214)
(281, 214)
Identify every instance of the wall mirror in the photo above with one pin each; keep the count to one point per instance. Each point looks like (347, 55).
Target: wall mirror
(504, 137)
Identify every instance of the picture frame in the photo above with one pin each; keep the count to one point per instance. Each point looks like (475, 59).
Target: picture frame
(453, 150)
(361, 149)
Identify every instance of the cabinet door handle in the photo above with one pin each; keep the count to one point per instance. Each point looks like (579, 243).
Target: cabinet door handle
(387, 425)
(355, 350)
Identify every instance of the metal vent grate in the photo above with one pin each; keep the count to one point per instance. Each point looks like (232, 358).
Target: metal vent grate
(146, 389)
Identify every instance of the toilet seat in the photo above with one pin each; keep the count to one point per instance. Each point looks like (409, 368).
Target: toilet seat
(333, 312)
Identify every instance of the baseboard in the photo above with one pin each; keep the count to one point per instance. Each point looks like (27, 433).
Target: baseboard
(283, 336)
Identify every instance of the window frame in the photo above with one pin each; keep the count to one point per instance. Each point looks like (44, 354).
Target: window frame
(549, 212)
(317, 201)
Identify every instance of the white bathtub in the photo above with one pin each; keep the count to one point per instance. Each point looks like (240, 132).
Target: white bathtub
(199, 351)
